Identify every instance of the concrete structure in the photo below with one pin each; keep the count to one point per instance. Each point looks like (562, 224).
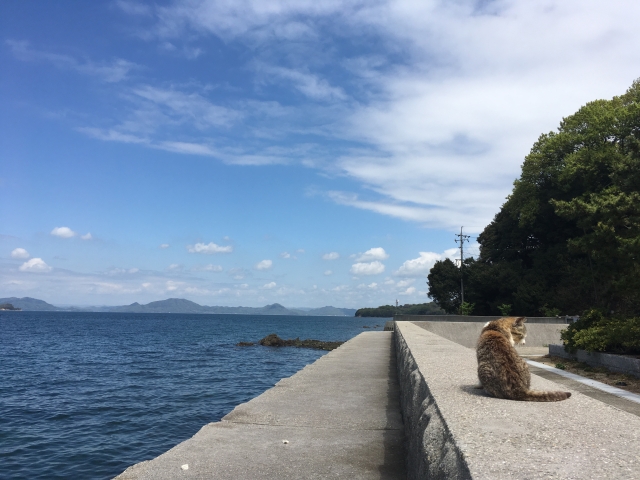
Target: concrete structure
(539, 335)
(617, 363)
(403, 404)
(455, 431)
(340, 416)
(474, 319)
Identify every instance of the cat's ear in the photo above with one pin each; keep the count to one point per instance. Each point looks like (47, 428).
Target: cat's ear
(520, 320)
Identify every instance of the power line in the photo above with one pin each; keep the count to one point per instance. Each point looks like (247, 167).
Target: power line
(461, 239)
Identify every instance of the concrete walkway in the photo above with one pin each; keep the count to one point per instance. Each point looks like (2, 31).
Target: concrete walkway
(340, 417)
(457, 431)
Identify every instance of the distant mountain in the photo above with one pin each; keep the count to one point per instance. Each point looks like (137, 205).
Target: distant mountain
(28, 303)
(180, 305)
(334, 311)
(171, 305)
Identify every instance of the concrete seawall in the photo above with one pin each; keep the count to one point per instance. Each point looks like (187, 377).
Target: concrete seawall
(471, 319)
(404, 404)
(340, 417)
(455, 430)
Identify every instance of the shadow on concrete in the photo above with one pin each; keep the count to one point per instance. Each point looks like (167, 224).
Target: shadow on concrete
(474, 390)
(393, 465)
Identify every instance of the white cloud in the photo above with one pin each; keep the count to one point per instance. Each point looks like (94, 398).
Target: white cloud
(371, 268)
(209, 248)
(419, 267)
(328, 272)
(442, 128)
(208, 268)
(331, 256)
(408, 291)
(269, 286)
(172, 286)
(404, 283)
(373, 285)
(20, 253)
(63, 232)
(87, 236)
(285, 255)
(263, 265)
(377, 253)
(35, 265)
(164, 245)
(175, 267)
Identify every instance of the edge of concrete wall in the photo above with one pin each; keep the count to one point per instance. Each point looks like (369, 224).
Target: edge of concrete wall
(617, 363)
(430, 447)
(470, 318)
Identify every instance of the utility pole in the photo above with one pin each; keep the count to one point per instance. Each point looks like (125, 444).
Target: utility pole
(461, 239)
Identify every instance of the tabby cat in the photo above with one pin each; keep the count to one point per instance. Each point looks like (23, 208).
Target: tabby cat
(501, 371)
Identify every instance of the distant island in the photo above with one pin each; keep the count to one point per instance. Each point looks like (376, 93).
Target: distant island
(408, 309)
(178, 305)
(8, 306)
(181, 305)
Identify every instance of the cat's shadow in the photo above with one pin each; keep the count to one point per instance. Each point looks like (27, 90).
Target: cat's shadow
(474, 390)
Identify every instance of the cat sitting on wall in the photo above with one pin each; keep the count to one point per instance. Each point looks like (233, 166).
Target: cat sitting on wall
(501, 371)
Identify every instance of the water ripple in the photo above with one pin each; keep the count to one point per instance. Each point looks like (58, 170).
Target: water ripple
(85, 395)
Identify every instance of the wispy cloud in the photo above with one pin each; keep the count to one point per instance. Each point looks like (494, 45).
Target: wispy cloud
(208, 268)
(309, 84)
(114, 71)
(331, 256)
(209, 248)
(432, 122)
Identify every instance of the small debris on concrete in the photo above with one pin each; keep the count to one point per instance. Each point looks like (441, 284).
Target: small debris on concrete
(285, 442)
(185, 466)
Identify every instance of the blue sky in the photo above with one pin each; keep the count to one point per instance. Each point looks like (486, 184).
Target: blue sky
(308, 153)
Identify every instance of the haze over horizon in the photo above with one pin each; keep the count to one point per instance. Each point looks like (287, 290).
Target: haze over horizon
(303, 153)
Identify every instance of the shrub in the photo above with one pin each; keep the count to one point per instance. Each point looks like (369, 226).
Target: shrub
(596, 333)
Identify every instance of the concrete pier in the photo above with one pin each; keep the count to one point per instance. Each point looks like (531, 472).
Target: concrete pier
(340, 416)
(456, 431)
(403, 404)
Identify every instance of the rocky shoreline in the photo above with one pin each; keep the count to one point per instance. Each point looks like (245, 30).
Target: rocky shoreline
(273, 340)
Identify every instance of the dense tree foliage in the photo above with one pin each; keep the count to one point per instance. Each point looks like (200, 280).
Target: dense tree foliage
(408, 309)
(568, 237)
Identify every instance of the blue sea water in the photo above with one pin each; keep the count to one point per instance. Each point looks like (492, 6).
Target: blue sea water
(85, 395)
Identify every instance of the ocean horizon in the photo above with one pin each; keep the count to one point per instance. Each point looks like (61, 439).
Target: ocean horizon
(85, 394)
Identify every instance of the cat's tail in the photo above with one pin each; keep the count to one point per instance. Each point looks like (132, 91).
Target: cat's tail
(538, 396)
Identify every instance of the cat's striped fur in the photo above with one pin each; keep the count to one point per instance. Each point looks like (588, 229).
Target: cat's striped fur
(501, 370)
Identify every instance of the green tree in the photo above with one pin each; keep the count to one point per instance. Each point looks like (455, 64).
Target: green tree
(444, 285)
(568, 237)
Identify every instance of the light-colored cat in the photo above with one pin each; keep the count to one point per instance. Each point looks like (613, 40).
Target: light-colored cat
(501, 371)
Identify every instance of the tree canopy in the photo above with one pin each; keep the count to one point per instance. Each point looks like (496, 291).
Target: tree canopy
(408, 309)
(568, 237)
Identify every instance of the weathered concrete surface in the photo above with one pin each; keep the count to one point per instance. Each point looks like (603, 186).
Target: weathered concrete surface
(617, 363)
(466, 333)
(456, 431)
(340, 415)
